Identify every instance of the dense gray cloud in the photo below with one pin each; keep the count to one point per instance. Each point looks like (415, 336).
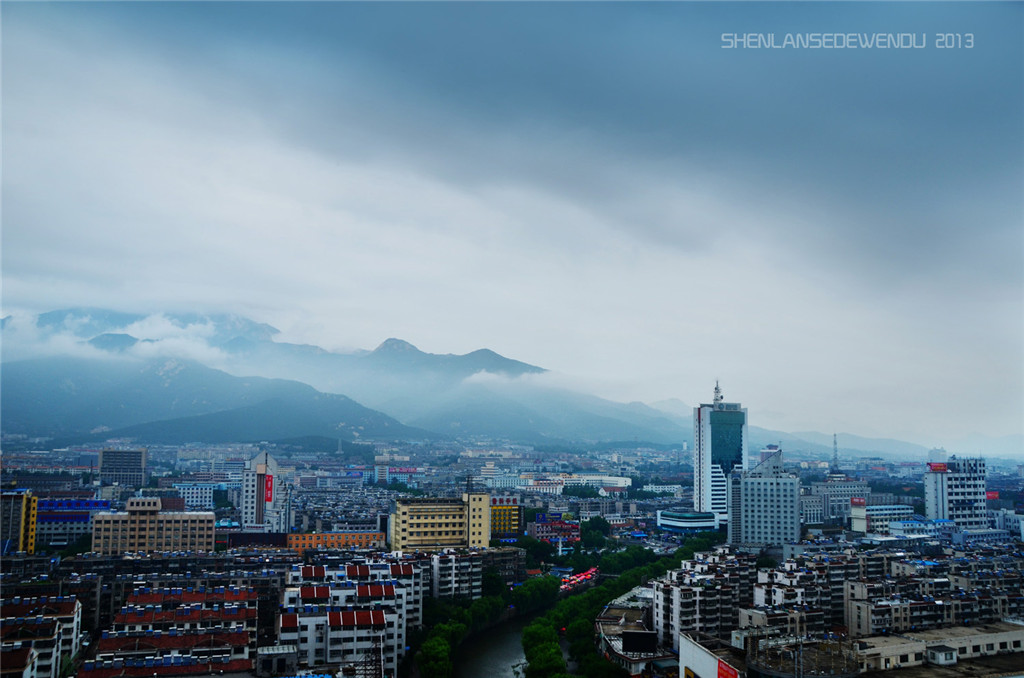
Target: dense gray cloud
(599, 189)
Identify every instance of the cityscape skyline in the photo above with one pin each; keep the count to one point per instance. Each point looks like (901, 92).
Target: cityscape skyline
(629, 202)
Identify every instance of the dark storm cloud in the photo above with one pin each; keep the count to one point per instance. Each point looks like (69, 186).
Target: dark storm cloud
(901, 159)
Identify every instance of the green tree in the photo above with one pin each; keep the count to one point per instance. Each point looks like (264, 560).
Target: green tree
(593, 539)
(537, 551)
(536, 635)
(435, 659)
(547, 661)
(452, 632)
(493, 584)
(599, 524)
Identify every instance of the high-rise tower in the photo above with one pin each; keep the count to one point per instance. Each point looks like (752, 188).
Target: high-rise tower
(265, 498)
(720, 447)
(955, 490)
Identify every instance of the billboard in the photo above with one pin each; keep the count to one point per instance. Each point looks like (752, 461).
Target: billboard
(268, 488)
(858, 501)
(937, 467)
(992, 494)
(726, 671)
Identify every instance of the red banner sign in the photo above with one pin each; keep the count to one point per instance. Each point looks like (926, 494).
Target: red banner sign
(937, 467)
(726, 671)
(858, 501)
(268, 489)
(992, 494)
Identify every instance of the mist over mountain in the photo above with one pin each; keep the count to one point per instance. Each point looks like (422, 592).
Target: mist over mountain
(178, 377)
(477, 394)
(175, 401)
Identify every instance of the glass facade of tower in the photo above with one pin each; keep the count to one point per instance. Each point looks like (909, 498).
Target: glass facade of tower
(727, 436)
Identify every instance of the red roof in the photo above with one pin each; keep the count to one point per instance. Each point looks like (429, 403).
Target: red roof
(34, 607)
(360, 618)
(401, 570)
(357, 570)
(375, 591)
(289, 621)
(14, 660)
(233, 666)
(143, 616)
(178, 642)
(314, 592)
(160, 597)
(309, 571)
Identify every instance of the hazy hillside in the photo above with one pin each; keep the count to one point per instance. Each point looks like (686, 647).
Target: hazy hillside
(66, 397)
(477, 394)
(304, 415)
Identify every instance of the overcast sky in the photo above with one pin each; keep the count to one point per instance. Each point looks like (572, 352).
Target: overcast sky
(599, 189)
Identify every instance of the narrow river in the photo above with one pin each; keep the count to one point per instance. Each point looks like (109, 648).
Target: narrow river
(498, 653)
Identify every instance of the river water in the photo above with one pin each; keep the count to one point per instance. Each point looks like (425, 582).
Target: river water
(497, 653)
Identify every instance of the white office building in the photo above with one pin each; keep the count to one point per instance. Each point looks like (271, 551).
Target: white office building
(877, 518)
(955, 490)
(265, 501)
(765, 504)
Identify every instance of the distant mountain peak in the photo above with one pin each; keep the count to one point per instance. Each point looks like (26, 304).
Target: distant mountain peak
(393, 345)
(117, 342)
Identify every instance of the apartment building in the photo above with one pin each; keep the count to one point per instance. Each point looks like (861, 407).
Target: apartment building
(898, 614)
(187, 610)
(346, 624)
(794, 621)
(421, 524)
(65, 610)
(457, 574)
(705, 594)
(412, 575)
(39, 633)
(144, 527)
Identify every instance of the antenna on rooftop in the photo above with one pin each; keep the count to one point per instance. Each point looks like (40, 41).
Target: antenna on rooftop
(718, 393)
(835, 454)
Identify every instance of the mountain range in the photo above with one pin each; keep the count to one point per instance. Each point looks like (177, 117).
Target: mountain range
(89, 374)
(110, 379)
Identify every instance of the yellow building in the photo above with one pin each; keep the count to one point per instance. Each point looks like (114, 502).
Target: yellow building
(335, 540)
(18, 510)
(506, 518)
(144, 527)
(436, 524)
